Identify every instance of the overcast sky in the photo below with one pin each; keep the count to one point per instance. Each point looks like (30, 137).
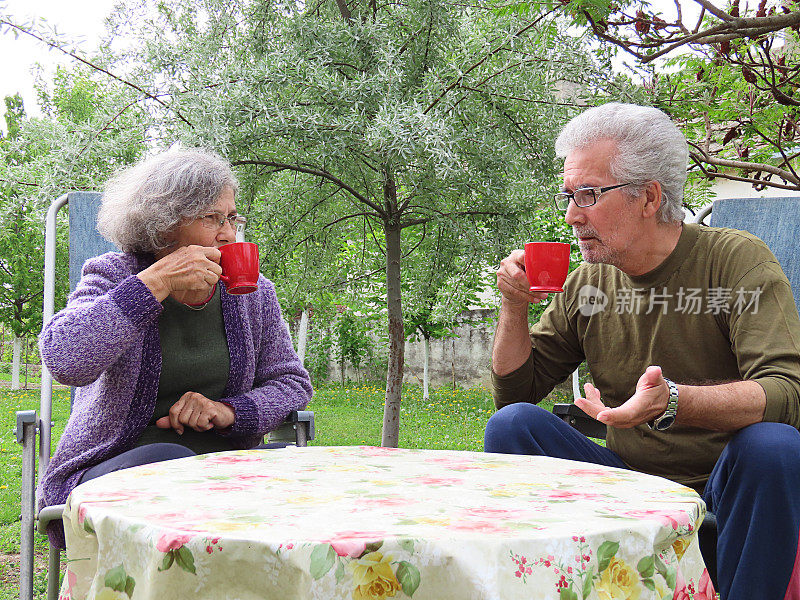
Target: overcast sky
(81, 20)
(78, 20)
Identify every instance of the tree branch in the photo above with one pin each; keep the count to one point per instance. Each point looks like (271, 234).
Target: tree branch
(746, 166)
(318, 173)
(473, 213)
(96, 68)
(457, 81)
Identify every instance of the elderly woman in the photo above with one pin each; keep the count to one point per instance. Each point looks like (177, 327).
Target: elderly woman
(167, 364)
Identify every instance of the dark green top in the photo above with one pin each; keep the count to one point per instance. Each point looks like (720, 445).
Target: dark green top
(690, 316)
(194, 358)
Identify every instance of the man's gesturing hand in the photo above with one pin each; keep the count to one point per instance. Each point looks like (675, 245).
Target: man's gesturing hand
(649, 401)
(198, 412)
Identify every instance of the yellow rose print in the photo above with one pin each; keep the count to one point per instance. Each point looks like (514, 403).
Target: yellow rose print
(619, 581)
(373, 577)
(109, 594)
(680, 546)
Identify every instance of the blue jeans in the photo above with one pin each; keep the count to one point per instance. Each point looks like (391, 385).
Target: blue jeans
(135, 457)
(754, 490)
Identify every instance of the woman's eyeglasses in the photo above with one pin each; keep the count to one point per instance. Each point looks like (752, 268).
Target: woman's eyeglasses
(216, 220)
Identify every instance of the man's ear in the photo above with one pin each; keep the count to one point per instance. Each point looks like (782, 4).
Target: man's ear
(653, 199)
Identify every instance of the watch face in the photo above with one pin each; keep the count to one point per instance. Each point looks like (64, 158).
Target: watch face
(665, 423)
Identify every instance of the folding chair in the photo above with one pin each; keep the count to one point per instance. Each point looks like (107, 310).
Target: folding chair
(84, 243)
(773, 220)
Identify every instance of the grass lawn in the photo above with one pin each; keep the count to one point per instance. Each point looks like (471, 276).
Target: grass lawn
(31, 379)
(345, 416)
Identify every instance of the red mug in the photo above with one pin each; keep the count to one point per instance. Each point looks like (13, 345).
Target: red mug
(546, 265)
(239, 264)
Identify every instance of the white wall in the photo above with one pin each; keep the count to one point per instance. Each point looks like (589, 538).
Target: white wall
(724, 188)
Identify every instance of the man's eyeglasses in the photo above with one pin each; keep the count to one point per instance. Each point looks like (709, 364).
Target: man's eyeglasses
(583, 197)
(216, 220)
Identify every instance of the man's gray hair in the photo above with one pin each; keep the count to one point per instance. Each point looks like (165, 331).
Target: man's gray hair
(649, 148)
(143, 204)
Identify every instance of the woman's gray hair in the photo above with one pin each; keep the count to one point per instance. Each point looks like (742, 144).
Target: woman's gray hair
(143, 204)
(649, 148)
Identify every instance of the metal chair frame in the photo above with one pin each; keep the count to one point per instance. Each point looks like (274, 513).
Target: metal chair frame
(298, 429)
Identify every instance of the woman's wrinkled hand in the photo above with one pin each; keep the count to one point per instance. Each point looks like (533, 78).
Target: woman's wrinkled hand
(187, 269)
(198, 412)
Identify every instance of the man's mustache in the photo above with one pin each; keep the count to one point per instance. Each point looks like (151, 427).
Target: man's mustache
(584, 233)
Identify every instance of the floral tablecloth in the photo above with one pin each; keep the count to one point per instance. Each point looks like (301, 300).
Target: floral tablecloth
(374, 523)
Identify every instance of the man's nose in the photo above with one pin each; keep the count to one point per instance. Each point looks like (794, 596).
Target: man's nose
(574, 214)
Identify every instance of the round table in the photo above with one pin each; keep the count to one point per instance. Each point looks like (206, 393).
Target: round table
(376, 523)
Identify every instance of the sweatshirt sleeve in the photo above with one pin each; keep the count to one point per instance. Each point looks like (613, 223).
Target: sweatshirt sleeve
(281, 384)
(765, 337)
(555, 353)
(104, 316)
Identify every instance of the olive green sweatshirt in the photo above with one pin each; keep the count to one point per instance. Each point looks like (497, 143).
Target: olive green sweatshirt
(718, 309)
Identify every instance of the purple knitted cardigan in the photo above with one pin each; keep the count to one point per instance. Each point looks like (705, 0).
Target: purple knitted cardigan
(106, 343)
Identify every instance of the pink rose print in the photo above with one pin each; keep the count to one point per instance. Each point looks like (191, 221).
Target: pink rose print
(253, 476)
(376, 451)
(238, 458)
(72, 579)
(486, 526)
(674, 519)
(567, 495)
(684, 591)
(388, 501)
(352, 548)
(489, 511)
(227, 487)
(586, 472)
(438, 480)
(171, 541)
(81, 514)
(353, 543)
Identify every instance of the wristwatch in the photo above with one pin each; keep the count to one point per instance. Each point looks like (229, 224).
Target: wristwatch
(667, 418)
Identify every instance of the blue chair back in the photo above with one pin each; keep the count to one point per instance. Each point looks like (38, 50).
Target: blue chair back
(774, 220)
(85, 241)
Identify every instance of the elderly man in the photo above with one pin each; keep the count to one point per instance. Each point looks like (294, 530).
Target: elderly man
(691, 336)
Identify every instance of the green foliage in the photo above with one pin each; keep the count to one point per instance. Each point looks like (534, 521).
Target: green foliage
(21, 235)
(41, 158)
(359, 133)
(318, 353)
(724, 115)
(353, 344)
(731, 81)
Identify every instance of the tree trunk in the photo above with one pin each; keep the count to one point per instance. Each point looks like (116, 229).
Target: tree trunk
(302, 336)
(25, 358)
(425, 372)
(394, 375)
(454, 363)
(15, 363)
